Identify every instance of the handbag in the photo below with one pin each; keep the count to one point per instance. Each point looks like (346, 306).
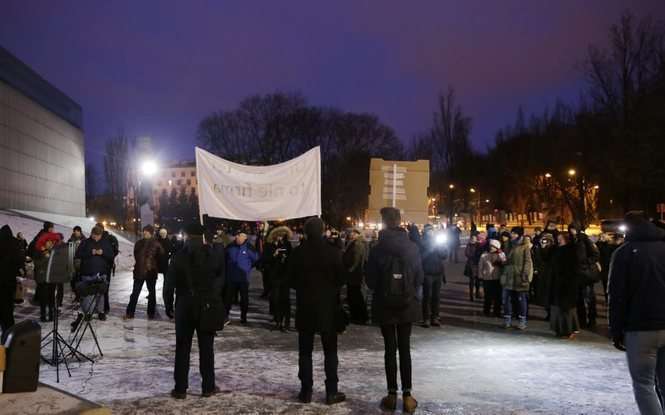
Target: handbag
(211, 317)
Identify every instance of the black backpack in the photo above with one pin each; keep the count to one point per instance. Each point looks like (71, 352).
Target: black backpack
(398, 285)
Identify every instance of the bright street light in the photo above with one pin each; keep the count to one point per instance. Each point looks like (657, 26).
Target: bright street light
(547, 175)
(472, 190)
(148, 168)
(487, 200)
(596, 187)
(348, 218)
(572, 172)
(451, 186)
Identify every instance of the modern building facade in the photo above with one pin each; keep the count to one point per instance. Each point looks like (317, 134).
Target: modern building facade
(400, 184)
(42, 156)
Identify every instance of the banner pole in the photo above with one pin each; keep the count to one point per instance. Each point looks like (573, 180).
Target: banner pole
(394, 183)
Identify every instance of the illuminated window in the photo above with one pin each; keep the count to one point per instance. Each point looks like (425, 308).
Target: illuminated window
(182, 174)
(189, 182)
(179, 182)
(194, 173)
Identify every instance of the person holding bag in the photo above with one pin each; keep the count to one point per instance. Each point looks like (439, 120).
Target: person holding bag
(196, 274)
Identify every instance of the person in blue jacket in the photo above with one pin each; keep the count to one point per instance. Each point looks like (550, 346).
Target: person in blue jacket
(240, 259)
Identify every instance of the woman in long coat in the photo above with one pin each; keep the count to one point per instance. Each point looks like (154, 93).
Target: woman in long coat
(563, 294)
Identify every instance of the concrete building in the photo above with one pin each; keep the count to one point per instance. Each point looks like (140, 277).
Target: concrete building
(180, 177)
(42, 160)
(401, 184)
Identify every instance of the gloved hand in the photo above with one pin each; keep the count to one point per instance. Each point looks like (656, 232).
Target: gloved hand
(617, 341)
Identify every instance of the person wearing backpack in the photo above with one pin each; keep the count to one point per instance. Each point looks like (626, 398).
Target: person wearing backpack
(637, 309)
(394, 273)
(196, 275)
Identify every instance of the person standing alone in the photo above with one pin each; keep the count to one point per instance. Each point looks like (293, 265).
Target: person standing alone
(196, 275)
(394, 273)
(147, 253)
(317, 274)
(637, 309)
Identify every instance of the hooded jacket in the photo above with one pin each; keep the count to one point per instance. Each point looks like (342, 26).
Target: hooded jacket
(394, 242)
(637, 281)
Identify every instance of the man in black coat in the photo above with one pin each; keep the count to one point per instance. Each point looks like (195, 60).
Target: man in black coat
(12, 258)
(354, 258)
(96, 256)
(196, 275)
(394, 266)
(115, 248)
(588, 273)
(317, 274)
(637, 308)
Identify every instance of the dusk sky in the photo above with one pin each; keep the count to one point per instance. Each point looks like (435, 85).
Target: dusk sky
(158, 67)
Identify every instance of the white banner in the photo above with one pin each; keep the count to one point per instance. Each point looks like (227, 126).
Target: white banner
(283, 191)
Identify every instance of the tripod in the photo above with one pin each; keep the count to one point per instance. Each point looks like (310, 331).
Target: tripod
(58, 346)
(96, 290)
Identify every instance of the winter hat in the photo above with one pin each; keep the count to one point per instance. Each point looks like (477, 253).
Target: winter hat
(506, 234)
(48, 225)
(518, 230)
(149, 228)
(193, 229)
(391, 217)
(163, 232)
(495, 243)
(314, 228)
(77, 228)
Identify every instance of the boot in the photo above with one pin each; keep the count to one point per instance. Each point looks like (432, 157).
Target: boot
(409, 404)
(389, 403)
(305, 395)
(76, 322)
(435, 322)
(425, 324)
(178, 395)
(213, 392)
(333, 398)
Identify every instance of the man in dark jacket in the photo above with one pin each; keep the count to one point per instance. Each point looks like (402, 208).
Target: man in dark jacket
(354, 257)
(240, 259)
(637, 308)
(196, 275)
(147, 253)
(394, 269)
(588, 260)
(433, 257)
(11, 260)
(96, 255)
(115, 247)
(317, 274)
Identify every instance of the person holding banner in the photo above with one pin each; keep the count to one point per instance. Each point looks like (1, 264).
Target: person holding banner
(240, 259)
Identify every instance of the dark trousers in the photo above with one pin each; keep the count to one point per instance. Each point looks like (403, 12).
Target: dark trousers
(136, 291)
(431, 297)
(7, 307)
(357, 305)
(492, 300)
(107, 305)
(46, 299)
(586, 304)
(60, 294)
(280, 297)
(184, 332)
(232, 290)
(330, 362)
(397, 337)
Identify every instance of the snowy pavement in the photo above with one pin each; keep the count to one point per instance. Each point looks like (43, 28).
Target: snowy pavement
(468, 366)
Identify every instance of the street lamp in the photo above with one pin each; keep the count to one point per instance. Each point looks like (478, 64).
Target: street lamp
(147, 169)
(451, 186)
(548, 175)
(596, 187)
(572, 172)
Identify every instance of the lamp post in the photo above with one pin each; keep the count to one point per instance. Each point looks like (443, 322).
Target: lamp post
(147, 169)
(451, 187)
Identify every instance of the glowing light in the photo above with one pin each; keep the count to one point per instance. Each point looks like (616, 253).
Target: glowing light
(440, 238)
(623, 228)
(149, 168)
(451, 186)
(92, 218)
(572, 172)
(472, 190)
(361, 225)
(348, 218)
(487, 200)
(548, 175)
(596, 187)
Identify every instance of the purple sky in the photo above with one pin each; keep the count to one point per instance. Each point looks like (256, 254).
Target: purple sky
(157, 67)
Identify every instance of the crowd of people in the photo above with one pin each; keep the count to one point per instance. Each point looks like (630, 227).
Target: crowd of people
(558, 270)
(402, 268)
